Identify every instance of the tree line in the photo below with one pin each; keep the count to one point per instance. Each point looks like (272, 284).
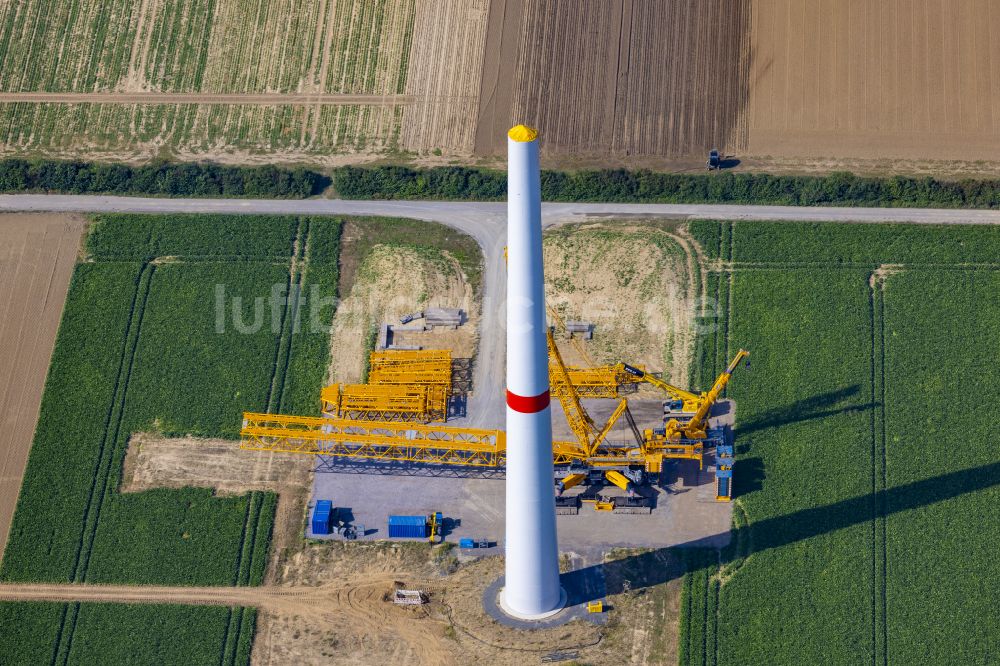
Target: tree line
(474, 184)
(159, 179)
(644, 186)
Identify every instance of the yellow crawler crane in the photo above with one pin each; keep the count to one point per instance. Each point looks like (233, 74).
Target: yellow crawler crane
(676, 431)
(385, 402)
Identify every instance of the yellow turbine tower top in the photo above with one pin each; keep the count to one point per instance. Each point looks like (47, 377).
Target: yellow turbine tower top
(523, 133)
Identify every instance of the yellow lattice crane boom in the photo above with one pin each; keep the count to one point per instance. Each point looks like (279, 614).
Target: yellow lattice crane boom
(561, 388)
(384, 440)
(411, 367)
(385, 402)
(603, 381)
(683, 401)
(580, 348)
(373, 440)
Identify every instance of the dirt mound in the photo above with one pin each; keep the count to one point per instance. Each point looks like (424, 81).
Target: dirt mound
(635, 284)
(390, 282)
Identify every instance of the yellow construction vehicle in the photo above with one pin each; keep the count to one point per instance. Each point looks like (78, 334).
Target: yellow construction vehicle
(694, 429)
(681, 400)
(435, 527)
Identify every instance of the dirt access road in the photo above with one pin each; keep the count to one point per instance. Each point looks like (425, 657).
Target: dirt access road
(279, 600)
(239, 99)
(37, 254)
(357, 607)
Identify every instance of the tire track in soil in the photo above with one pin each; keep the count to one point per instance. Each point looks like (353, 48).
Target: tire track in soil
(113, 422)
(879, 472)
(99, 486)
(217, 99)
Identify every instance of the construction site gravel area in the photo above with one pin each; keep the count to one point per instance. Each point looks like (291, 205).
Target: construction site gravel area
(37, 254)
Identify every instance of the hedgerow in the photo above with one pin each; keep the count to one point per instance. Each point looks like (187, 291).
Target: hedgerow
(160, 179)
(643, 186)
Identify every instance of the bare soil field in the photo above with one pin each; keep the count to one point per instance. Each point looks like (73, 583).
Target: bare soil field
(37, 255)
(444, 76)
(638, 284)
(153, 461)
(915, 80)
(622, 78)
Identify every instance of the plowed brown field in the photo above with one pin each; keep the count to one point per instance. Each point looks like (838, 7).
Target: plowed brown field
(910, 79)
(37, 254)
(620, 78)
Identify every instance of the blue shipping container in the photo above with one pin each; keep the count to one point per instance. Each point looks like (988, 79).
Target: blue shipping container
(407, 527)
(321, 517)
(466, 543)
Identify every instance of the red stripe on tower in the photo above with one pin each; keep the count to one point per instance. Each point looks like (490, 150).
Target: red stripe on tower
(528, 404)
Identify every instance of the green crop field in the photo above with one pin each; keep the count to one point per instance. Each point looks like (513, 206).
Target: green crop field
(145, 346)
(868, 473)
(126, 634)
(204, 47)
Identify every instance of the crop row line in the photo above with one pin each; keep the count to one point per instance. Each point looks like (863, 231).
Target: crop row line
(883, 460)
(64, 638)
(289, 317)
(99, 484)
(876, 302)
(112, 425)
(243, 574)
(238, 627)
